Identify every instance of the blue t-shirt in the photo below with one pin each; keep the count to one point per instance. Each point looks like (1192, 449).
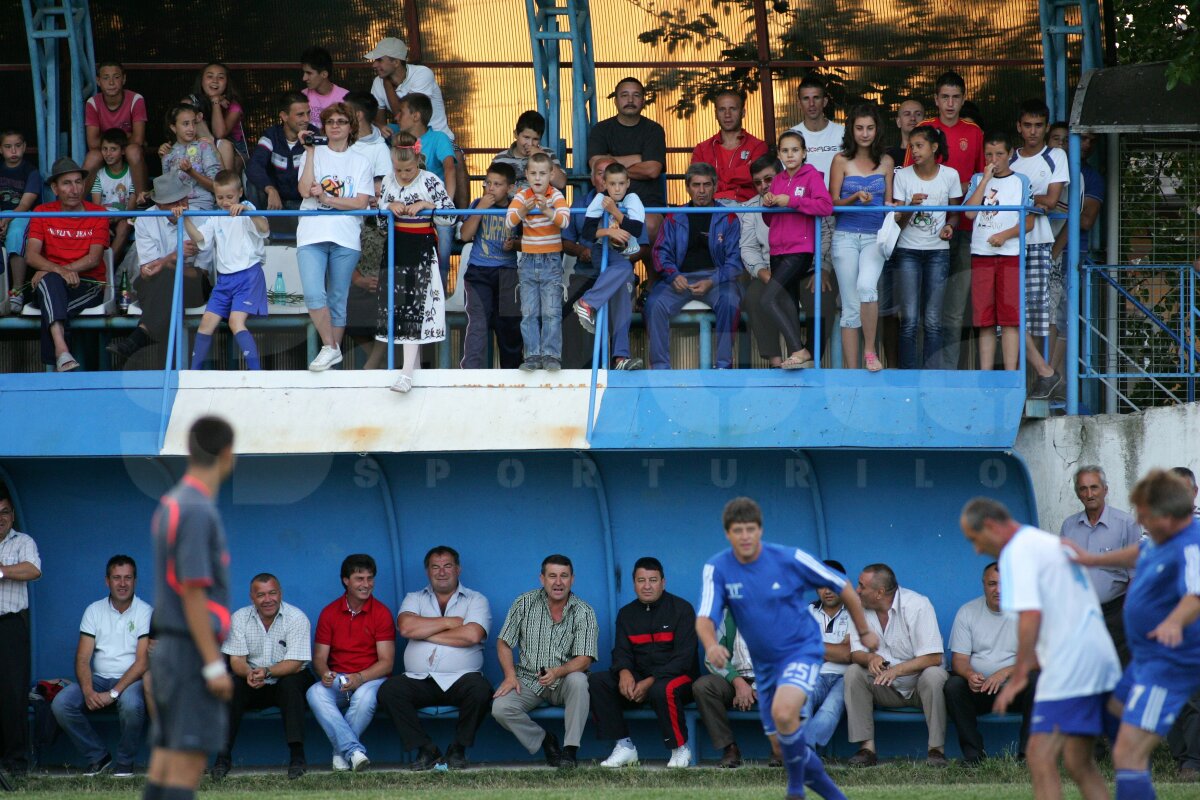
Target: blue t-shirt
(769, 600)
(487, 248)
(1165, 574)
(18, 181)
(436, 147)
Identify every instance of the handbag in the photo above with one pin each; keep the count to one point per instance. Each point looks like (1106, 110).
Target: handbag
(888, 235)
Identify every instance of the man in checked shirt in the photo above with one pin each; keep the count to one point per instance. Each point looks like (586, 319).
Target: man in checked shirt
(557, 635)
(269, 647)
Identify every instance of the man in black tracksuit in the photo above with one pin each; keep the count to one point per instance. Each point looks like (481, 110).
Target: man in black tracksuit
(653, 661)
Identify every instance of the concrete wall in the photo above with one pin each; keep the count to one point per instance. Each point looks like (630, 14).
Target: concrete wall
(1125, 445)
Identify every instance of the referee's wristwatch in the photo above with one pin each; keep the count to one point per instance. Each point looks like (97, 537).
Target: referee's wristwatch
(114, 694)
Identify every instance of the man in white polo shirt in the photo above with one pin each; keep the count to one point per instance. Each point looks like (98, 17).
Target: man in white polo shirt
(395, 78)
(823, 140)
(445, 624)
(112, 656)
(823, 708)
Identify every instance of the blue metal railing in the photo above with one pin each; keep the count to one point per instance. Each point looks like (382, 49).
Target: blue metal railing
(176, 338)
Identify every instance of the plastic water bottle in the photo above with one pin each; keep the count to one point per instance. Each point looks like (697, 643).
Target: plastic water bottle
(123, 293)
(279, 295)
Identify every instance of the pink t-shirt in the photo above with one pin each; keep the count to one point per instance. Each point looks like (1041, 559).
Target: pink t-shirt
(97, 114)
(319, 102)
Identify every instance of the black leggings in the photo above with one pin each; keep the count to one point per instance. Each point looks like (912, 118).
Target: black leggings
(781, 296)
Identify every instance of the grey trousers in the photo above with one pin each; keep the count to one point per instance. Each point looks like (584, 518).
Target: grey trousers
(714, 698)
(862, 695)
(956, 303)
(512, 711)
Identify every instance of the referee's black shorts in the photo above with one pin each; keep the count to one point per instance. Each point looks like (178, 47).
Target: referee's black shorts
(188, 716)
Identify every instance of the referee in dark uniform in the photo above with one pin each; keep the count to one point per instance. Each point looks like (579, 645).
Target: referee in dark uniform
(191, 685)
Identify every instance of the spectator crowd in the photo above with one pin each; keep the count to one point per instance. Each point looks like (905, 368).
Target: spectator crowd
(907, 289)
(547, 647)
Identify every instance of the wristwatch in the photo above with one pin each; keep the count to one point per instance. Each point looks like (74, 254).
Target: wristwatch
(1, 574)
(267, 673)
(114, 694)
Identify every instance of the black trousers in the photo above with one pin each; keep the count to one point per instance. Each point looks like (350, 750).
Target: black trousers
(964, 707)
(773, 307)
(287, 694)
(14, 690)
(154, 297)
(493, 304)
(403, 696)
(576, 342)
(1114, 620)
(1184, 737)
(666, 697)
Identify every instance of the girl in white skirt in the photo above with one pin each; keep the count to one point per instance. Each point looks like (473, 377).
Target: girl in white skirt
(420, 316)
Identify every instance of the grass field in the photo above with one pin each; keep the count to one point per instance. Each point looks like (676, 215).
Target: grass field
(999, 780)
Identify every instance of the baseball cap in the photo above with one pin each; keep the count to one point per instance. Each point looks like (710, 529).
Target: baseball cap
(390, 47)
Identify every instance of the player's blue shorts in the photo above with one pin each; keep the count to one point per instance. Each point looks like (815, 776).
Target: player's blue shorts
(799, 670)
(1154, 694)
(1074, 716)
(244, 291)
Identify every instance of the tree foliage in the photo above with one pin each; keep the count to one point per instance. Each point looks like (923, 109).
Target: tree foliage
(1160, 30)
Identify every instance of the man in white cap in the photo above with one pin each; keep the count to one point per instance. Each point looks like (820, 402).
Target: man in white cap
(67, 254)
(157, 241)
(395, 78)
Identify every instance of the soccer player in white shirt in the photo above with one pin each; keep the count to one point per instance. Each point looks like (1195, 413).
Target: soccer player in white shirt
(1059, 627)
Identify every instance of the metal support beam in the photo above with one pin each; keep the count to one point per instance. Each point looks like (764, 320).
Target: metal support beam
(49, 25)
(1057, 37)
(552, 22)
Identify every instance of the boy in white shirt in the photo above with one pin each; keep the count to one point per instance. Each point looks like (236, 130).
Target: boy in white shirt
(240, 246)
(1048, 175)
(995, 252)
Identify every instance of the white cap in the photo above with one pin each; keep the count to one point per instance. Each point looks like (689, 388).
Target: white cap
(390, 47)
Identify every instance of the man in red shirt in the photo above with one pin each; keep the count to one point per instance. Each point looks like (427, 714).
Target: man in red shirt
(964, 150)
(353, 652)
(732, 150)
(67, 254)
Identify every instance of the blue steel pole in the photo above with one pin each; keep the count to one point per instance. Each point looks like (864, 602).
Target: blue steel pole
(391, 290)
(176, 295)
(818, 281)
(1021, 284)
(596, 350)
(1072, 276)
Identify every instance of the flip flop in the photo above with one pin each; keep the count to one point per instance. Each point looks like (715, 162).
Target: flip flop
(67, 363)
(873, 362)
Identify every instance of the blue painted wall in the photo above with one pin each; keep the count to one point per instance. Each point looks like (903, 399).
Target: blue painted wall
(298, 516)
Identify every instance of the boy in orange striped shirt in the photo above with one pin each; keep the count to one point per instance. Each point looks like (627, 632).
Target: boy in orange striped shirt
(539, 266)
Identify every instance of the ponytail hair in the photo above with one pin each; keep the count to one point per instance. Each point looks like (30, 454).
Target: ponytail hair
(406, 148)
(936, 138)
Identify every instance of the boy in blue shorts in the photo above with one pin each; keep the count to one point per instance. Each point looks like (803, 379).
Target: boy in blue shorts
(766, 587)
(1162, 625)
(1061, 629)
(241, 290)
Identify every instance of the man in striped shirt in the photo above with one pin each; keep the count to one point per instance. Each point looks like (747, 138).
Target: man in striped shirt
(19, 564)
(557, 635)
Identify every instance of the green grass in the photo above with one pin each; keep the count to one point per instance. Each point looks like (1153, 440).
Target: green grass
(997, 780)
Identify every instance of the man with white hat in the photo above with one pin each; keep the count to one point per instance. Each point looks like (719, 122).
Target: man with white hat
(157, 240)
(395, 78)
(67, 254)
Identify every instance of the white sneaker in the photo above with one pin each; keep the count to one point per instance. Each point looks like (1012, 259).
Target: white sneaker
(340, 764)
(328, 357)
(680, 757)
(359, 761)
(621, 757)
(403, 384)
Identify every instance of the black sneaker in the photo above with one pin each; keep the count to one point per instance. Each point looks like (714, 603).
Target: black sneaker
(122, 771)
(628, 364)
(1044, 387)
(297, 767)
(456, 757)
(98, 767)
(220, 768)
(568, 760)
(427, 758)
(123, 348)
(552, 750)
(551, 364)
(530, 365)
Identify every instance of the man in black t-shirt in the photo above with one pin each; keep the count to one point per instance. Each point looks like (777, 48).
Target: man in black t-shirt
(638, 143)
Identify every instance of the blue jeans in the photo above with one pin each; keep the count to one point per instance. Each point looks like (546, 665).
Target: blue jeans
(343, 730)
(71, 712)
(920, 285)
(828, 698)
(540, 276)
(322, 264)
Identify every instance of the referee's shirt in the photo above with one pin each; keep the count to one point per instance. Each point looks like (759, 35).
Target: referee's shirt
(189, 550)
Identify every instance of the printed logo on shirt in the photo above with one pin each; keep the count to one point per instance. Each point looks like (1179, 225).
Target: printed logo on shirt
(775, 586)
(336, 186)
(733, 591)
(799, 191)
(745, 155)
(963, 145)
(989, 199)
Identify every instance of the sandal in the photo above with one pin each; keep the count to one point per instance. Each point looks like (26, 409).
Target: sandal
(66, 363)
(795, 361)
(403, 384)
(873, 362)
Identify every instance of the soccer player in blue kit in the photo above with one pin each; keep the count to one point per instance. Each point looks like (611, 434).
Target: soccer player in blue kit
(767, 587)
(1162, 624)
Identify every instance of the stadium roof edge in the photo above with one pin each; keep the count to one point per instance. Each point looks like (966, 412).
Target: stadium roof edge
(1134, 99)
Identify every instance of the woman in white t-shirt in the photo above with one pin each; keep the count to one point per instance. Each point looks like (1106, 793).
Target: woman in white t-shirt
(332, 178)
(923, 250)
